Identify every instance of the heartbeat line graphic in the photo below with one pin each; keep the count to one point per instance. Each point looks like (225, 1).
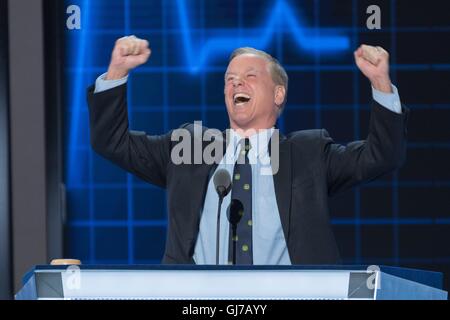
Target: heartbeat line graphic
(281, 19)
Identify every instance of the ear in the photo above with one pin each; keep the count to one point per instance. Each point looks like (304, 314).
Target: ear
(280, 94)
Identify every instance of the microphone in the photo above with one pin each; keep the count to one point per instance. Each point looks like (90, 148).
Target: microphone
(222, 184)
(234, 216)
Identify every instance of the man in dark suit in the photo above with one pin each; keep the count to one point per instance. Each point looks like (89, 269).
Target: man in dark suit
(284, 216)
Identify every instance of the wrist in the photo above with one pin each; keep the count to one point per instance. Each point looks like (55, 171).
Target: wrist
(115, 73)
(382, 84)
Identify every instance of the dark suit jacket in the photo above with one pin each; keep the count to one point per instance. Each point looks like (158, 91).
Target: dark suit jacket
(312, 168)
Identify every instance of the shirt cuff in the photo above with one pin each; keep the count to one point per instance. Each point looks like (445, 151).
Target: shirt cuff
(101, 84)
(390, 101)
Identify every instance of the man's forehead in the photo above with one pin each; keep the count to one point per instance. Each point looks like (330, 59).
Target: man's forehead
(235, 69)
(248, 62)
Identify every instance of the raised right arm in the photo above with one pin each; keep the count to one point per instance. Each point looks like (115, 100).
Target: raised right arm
(145, 156)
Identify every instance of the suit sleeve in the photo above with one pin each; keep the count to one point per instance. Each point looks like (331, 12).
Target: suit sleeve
(383, 151)
(145, 156)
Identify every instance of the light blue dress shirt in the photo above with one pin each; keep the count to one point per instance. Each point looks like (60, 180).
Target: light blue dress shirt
(269, 244)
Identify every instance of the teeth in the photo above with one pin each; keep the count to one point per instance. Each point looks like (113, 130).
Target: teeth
(243, 95)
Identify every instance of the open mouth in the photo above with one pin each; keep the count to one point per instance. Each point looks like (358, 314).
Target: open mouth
(240, 99)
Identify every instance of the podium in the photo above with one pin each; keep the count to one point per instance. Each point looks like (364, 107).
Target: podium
(227, 282)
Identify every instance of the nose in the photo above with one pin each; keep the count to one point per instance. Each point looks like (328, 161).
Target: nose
(237, 81)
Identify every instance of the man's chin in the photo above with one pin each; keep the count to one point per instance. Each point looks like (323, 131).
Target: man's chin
(242, 121)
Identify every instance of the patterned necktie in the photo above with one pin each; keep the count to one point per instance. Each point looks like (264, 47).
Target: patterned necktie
(240, 210)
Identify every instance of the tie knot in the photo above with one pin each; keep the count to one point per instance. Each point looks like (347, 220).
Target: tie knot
(245, 145)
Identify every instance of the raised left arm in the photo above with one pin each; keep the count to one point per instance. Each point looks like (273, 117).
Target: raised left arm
(384, 149)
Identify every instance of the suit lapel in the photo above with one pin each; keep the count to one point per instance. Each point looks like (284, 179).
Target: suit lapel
(282, 182)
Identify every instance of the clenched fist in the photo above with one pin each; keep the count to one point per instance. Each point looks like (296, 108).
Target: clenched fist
(374, 64)
(129, 52)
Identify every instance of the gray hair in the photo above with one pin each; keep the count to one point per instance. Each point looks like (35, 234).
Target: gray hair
(279, 75)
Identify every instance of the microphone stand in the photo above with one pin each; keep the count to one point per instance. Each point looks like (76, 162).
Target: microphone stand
(218, 229)
(222, 184)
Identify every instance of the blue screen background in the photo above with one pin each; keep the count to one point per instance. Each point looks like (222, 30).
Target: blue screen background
(401, 219)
